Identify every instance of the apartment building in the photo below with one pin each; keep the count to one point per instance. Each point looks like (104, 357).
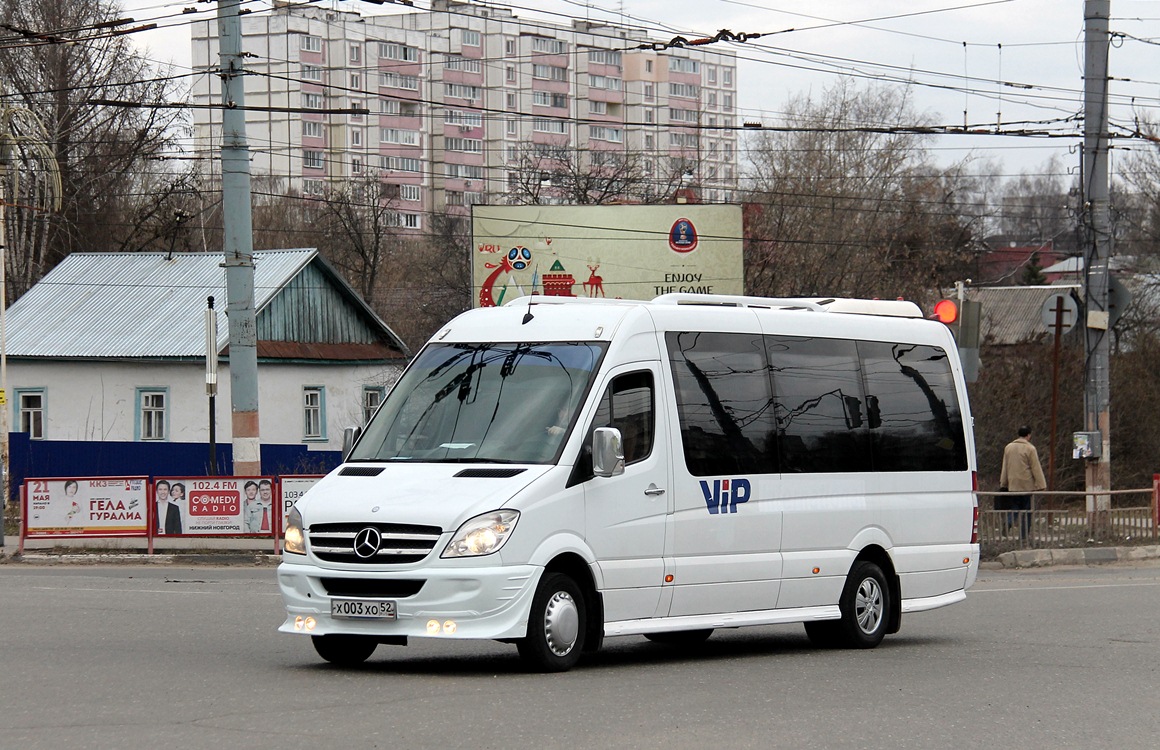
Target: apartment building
(456, 105)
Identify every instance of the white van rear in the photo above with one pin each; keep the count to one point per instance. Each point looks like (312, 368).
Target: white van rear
(556, 471)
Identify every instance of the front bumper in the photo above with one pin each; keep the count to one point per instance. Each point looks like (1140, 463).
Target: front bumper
(483, 602)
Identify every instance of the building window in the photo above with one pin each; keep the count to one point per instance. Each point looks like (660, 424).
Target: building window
(311, 72)
(372, 396)
(684, 90)
(601, 133)
(151, 412)
(604, 57)
(598, 108)
(410, 192)
(648, 66)
(398, 81)
(313, 412)
(465, 64)
(544, 125)
(355, 53)
(511, 101)
(465, 145)
(684, 65)
(402, 137)
(411, 221)
(727, 76)
(727, 102)
(511, 127)
(604, 82)
(311, 43)
(356, 136)
(311, 129)
(463, 119)
(511, 73)
(509, 47)
(550, 72)
(469, 38)
(462, 91)
(355, 81)
(31, 405)
(312, 187)
(649, 141)
(312, 101)
(356, 165)
(649, 92)
(711, 73)
(312, 159)
(550, 46)
(393, 51)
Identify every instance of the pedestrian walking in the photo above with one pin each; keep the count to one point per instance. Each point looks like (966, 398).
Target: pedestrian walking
(1021, 475)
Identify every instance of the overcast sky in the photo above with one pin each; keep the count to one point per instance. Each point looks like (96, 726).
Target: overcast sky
(954, 53)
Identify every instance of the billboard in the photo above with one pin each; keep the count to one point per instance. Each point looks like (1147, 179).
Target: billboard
(86, 506)
(618, 252)
(214, 506)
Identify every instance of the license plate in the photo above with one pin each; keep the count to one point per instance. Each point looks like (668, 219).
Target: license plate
(376, 609)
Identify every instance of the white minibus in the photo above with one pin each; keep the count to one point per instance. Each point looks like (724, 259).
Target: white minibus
(556, 471)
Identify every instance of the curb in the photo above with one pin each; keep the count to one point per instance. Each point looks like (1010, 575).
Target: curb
(186, 559)
(1041, 558)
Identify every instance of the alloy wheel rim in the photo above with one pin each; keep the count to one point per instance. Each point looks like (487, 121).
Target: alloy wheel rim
(868, 606)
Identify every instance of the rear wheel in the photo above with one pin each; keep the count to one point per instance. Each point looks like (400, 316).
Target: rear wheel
(556, 625)
(865, 606)
(681, 637)
(344, 650)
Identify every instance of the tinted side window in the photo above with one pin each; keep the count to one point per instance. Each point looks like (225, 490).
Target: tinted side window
(819, 404)
(913, 411)
(723, 395)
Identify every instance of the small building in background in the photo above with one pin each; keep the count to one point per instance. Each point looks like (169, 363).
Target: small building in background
(107, 365)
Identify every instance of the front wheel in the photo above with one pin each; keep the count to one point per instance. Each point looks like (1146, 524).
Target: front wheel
(344, 650)
(556, 625)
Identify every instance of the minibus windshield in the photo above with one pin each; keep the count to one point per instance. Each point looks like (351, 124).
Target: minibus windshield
(482, 402)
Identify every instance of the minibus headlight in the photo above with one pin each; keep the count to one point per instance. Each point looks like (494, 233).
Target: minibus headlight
(294, 541)
(483, 534)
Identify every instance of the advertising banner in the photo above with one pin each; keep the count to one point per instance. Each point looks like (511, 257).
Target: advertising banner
(86, 506)
(622, 252)
(214, 506)
(294, 487)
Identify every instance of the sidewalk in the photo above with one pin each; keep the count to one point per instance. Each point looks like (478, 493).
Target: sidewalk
(1039, 558)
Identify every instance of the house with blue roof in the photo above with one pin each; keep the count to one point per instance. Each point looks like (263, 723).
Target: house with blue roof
(107, 365)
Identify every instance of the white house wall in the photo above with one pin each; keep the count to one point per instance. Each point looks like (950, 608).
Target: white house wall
(97, 401)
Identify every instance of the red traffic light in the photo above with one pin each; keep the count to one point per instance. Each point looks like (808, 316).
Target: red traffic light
(946, 311)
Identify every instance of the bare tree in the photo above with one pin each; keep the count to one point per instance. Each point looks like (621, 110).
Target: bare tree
(846, 201)
(58, 58)
(562, 173)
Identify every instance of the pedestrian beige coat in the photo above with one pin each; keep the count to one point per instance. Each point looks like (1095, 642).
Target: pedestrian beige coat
(1021, 470)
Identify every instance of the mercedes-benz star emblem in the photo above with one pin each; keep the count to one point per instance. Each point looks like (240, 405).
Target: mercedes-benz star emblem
(366, 542)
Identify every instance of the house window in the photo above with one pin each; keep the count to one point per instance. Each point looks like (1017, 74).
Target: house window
(470, 38)
(410, 192)
(511, 101)
(511, 127)
(372, 396)
(312, 101)
(311, 43)
(151, 413)
(356, 136)
(355, 81)
(311, 73)
(313, 412)
(355, 53)
(311, 129)
(31, 404)
(509, 46)
(649, 92)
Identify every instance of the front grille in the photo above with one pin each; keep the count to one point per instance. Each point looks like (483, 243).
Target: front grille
(386, 588)
(399, 544)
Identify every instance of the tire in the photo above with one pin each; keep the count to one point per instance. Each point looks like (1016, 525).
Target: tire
(681, 637)
(865, 606)
(344, 650)
(556, 625)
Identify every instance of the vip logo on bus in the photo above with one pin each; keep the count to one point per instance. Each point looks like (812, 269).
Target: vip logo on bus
(724, 495)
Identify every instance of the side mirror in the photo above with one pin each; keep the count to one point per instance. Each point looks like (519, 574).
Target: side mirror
(350, 436)
(607, 452)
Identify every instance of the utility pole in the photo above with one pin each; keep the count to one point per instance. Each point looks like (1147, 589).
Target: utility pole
(239, 246)
(1097, 390)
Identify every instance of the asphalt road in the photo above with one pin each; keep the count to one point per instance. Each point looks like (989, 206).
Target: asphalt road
(149, 657)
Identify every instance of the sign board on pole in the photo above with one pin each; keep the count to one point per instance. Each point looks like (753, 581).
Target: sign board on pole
(294, 487)
(86, 506)
(1069, 310)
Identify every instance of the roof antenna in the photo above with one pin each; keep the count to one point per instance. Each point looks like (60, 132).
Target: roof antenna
(528, 315)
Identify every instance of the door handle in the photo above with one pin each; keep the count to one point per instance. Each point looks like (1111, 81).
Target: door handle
(653, 491)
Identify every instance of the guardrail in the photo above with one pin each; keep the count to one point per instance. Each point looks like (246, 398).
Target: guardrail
(1052, 523)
